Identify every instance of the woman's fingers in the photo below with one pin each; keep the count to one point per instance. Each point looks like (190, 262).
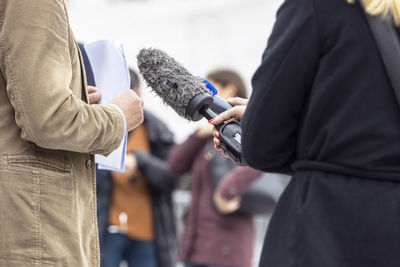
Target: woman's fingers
(224, 116)
(238, 101)
(233, 113)
(217, 144)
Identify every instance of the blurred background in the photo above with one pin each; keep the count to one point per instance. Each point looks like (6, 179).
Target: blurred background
(202, 35)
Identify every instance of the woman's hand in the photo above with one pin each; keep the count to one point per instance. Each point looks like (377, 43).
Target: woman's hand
(226, 206)
(235, 113)
(94, 95)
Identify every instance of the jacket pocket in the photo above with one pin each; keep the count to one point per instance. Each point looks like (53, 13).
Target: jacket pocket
(19, 215)
(54, 176)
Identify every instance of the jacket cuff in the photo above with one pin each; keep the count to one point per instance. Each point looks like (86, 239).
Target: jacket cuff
(119, 130)
(120, 112)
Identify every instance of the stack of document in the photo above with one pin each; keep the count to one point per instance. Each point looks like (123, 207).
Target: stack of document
(111, 74)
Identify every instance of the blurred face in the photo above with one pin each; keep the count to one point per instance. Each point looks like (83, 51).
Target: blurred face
(226, 92)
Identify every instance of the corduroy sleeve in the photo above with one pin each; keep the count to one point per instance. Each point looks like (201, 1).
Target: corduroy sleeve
(36, 62)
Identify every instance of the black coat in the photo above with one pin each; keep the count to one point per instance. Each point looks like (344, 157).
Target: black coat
(323, 109)
(161, 184)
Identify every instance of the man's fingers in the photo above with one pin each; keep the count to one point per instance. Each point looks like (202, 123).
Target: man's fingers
(131, 105)
(94, 95)
(92, 89)
(94, 98)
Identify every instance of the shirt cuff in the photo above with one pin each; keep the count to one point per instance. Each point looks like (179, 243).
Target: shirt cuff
(122, 113)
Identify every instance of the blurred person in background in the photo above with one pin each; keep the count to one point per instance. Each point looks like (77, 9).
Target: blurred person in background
(136, 219)
(49, 134)
(213, 236)
(324, 108)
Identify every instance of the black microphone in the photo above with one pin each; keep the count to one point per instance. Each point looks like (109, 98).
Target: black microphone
(188, 96)
(220, 105)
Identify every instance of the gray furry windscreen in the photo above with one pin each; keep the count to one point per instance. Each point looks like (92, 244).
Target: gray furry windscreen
(170, 80)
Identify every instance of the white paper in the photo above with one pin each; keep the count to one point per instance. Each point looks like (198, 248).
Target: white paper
(111, 75)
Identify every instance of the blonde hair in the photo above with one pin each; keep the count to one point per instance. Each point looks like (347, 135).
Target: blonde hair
(389, 9)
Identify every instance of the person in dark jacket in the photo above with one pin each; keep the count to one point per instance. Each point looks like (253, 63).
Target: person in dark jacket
(323, 109)
(214, 236)
(136, 219)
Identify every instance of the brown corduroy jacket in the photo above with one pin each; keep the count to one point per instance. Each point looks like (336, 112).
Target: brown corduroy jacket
(48, 135)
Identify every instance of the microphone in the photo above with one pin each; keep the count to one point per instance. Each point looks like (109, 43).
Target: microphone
(219, 105)
(188, 96)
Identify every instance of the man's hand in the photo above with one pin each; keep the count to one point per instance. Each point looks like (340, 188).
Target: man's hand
(132, 107)
(94, 95)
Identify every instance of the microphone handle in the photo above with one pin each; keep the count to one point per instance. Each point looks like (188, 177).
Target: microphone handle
(207, 112)
(220, 105)
(230, 134)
